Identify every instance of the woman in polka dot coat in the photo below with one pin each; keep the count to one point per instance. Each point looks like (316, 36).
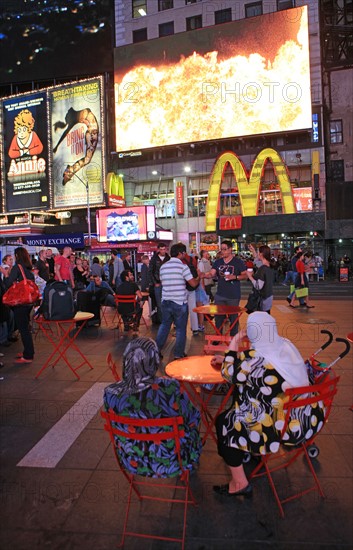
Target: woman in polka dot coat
(255, 420)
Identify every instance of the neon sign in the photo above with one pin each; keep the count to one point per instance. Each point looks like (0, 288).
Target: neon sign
(248, 185)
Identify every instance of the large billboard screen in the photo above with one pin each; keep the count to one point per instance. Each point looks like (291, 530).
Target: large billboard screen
(237, 79)
(76, 120)
(25, 177)
(134, 223)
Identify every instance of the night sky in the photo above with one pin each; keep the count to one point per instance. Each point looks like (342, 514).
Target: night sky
(46, 39)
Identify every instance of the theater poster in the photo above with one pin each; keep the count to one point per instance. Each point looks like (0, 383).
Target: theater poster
(76, 126)
(25, 177)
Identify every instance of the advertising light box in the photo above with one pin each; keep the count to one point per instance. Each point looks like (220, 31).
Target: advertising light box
(237, 79)
(133, 223)
(25, 177)
(76, 122)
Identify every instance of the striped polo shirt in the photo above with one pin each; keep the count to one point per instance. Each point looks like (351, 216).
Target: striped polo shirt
(173, 275)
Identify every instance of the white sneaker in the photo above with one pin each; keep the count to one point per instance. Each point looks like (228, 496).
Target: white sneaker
(152, 312)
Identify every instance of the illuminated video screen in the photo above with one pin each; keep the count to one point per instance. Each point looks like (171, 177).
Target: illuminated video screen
(241, 78)
(133, 223)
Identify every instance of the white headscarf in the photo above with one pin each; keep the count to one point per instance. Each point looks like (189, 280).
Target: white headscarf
(279, 352)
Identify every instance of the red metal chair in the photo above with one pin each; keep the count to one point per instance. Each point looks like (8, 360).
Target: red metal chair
(126, 299)
(112, 365)
(172, 431)
(298, 398)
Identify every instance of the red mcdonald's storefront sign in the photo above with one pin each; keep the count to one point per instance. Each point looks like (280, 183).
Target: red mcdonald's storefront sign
(179, 198)
(230, 222)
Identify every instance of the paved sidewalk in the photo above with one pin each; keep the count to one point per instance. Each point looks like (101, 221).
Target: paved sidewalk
(60, 487)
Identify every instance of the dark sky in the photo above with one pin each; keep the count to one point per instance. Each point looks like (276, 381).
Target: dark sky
(47, 39)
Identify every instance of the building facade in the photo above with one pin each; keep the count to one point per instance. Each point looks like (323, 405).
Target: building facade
(317, 159)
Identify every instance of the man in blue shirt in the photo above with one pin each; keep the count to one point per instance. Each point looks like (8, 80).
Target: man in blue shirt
(104, 291)
(229, 270)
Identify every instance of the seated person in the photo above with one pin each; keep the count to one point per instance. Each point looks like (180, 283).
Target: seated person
(261, 375)
(131, 313)
(40, 282)
(105, 292)
(156, 398)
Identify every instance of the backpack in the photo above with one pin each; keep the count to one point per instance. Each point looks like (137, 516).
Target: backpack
(58, 302)
(193, 270)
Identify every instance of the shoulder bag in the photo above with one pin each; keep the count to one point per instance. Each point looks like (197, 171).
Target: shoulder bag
(254, 302)
(21, 293)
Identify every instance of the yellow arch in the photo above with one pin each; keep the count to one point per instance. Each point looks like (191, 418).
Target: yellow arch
(114, 185)
(249, 187)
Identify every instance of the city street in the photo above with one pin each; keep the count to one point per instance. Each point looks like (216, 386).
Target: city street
(60, 486)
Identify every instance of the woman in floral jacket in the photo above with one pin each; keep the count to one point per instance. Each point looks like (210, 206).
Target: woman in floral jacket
(256, 418)
(143, 395)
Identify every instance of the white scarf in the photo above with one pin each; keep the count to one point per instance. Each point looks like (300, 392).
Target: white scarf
(279, 352)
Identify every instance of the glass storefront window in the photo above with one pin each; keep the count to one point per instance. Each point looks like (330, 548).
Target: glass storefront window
(197, 205)
(159, 194)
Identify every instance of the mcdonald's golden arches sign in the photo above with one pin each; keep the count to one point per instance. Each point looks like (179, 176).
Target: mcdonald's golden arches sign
(249, 185)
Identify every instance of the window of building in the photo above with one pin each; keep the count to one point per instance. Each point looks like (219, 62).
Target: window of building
(165, 5)
(197, 196)
(139, 35)
(191, 1)
(337, 170)
(285, 4)
(222, 16)
(348, 12)
(165, 29)
(139, 8)
(193, 23)
(254, 9)
(336, 131)
(159, 194)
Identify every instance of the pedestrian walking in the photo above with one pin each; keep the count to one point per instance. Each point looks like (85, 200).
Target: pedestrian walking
(173, 276)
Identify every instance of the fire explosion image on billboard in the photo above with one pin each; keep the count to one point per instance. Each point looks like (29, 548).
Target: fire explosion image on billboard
(237, 79)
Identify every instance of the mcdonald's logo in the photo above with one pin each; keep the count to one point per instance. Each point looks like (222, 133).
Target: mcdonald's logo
(248, 185)
(230, 222)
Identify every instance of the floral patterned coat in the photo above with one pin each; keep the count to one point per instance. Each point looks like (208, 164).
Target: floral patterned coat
(256, 418)
(162, 399)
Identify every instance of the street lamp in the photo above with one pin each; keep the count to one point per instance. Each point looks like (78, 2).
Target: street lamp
(88, 209)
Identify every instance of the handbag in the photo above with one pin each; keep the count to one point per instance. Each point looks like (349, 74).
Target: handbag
(254, 302)
(21, 293)
(302, 292)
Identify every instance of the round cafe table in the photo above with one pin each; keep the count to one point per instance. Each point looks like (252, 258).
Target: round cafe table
(195, 371)
(212, 310)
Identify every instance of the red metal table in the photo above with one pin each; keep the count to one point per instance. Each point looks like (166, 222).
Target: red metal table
(192, 373)
(62, 335)
(212, 310)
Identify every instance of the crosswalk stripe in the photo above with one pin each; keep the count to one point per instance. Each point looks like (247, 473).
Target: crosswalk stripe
(53, 446)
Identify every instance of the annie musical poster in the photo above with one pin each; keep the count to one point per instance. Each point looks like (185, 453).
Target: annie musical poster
(76, 134)
(25, 152)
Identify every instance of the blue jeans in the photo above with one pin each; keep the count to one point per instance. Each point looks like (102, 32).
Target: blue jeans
(290, 297)
(290, 277)
(158, 298)
(177, 314)
(220, 300)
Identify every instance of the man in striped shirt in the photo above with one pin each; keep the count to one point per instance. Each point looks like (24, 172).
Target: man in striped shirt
(173, 275)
